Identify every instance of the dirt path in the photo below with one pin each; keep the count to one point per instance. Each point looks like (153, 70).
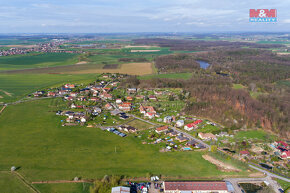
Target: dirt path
(7, 93)
(222, 166)
(3, 109)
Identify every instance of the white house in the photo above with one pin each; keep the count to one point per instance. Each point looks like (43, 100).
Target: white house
(179, 123)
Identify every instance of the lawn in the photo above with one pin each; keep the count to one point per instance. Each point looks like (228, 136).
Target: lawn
(11, 183)
(36, 60)
(35, 141)
(254, 134)
(16, 86)
(63, 188)
(185, 76)
(238, 86)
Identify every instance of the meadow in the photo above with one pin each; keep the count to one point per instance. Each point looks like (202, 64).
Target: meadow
(35, 141)
(36, 60)
(16, 86)
(11, 183)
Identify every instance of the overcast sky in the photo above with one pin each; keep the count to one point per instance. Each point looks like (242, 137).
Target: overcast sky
(94, 16)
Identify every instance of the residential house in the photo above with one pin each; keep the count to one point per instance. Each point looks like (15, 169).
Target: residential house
(207, 136)
(140, 97)
(132, 90)
(193, 125)
(149, 115)
(179, 123)
(108, 106)
(107, 96)
(118, 101)
(69, 86)
(172, 133)
(129, 98)
(168, 119)
(285, 154)
(191, 143)
(161, 129)
(51, 94)
(181, 138)
(115, 112)
(152, 97)
(125, 106)
(244, 153)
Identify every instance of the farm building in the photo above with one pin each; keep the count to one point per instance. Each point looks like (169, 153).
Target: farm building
(195, 187)
(120, 189)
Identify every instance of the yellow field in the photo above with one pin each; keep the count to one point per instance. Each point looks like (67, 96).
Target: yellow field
(128, 68)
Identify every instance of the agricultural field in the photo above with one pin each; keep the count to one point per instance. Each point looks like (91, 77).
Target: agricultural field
(36, 60)
(65, 152)
(11, 183)
(16, 86)
(141, 68)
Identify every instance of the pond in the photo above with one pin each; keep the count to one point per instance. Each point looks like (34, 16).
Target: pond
(203, 64)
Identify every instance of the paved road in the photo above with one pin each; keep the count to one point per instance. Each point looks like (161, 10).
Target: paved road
(269, 173)
(190, 136)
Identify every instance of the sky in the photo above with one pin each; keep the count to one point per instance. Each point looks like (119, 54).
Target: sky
(113, 16)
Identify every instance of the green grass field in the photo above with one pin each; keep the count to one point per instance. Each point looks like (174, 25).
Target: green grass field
(17, 86)
(254, 134)
(10, 183)
(35, 141)
(37, 60)
(185, 76)
(63, 188)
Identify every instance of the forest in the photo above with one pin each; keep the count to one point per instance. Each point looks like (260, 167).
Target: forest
(212, 95)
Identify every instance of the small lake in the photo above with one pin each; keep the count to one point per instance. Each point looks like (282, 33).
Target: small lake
(203, 64)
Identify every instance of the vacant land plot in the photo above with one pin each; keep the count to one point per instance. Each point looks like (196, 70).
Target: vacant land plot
(128, 68)
(15, 86)
(35, 141)
(36, 60)
(140, 125)
(222, 166)
(11, 183)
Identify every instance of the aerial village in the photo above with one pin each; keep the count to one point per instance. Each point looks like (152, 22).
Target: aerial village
(154, 116)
